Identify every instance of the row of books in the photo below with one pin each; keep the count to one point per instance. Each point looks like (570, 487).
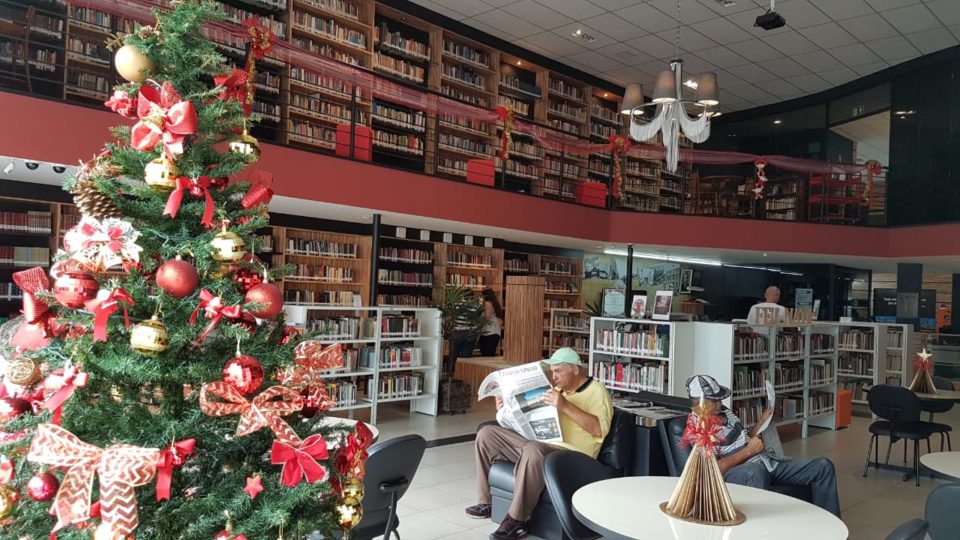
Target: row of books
(331, 298)
(604, 113)
(396, 40)
(463, 143)
(894, 361)
(465, 75)
(577, 343)
(553, 303)
(570, 322)
(451, 165)
(327, 50)
(400, 142)
(566, 109)
(321, 272)
(469, 259)
(24, 256)
(239, 16)
(10, 291)
(823, 343)
(91, 16)
(318, 106)
(406, 255)
(31, 221)
(561, 287)
(337, 328)
(563, 125)
(559, 167)
(89, 48)
(464, 280)
(787, 375)
(525, 149)
(315, 133)
(749, 345)
(856, 389)
(399, 326)
(343, 392)
(412, 118)
(644, 343)
(603, 131)
(399, 386)
(566, 89)
(399, 68)
(520, 107)
(466, 97)
(821, 371)
(788, 407)
(820, 402)
(894, 339)
(391, 357)
(328, 82)
(93, 83)
(345, 8)
(412, 300)
(749, 410)
(398, 277)
(856, 339)
(856, 364)
(747, 381)
(466, 53)
(790, 344)
(516, 265)
(321, 248)
(330, 28)
(631, 376)
(556, 268)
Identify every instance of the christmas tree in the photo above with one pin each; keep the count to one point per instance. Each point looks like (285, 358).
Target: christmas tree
(153, 389)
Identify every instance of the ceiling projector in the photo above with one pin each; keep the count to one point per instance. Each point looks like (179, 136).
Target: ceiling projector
(770, 20)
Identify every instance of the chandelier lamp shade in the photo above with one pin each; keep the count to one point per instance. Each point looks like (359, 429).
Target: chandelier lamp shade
(632, 98)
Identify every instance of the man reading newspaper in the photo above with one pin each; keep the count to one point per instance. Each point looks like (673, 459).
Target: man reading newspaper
(535, 419)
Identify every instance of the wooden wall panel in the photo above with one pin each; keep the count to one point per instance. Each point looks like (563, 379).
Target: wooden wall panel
(524, 319)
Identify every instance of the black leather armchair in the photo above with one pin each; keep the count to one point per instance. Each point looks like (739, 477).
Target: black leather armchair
(616, 453)
(679, 455)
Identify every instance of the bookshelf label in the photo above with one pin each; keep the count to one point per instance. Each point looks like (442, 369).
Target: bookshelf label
(425, 236)
(468, 240)
(447, 238)
(401, 232)
(488, 242)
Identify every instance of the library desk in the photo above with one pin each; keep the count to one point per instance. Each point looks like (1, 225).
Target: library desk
(629, 509)
(946, 464)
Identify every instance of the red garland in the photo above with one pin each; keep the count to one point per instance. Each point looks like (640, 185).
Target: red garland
(107, 307)
(702, 431)
(619, 146)
(65, 380)
(170, 457)
(760, 164)
(198, 187)
(300, 462)
(214, 309)
(261, 37)
(505, 115)
(261, 190)
(164, 116)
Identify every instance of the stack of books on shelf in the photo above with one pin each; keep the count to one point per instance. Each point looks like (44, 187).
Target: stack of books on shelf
(561, 287)
(395, 41)
(409, 300)
(400, 385)
(406, 279)
(570, 323)
(632, 377)
(749, 410)
(351, 358)
(821, 402)
(821, 372)
(30, 221)
(556, 268)
(399, 326)
(391, 358)
(643, 343)
(519, 107)
(344, 8)
(469, 260)
(856, 340)
(321, 248)
(453, 120)
(403, 143)
(329, 298)
(553, 303)
(318, 272)
(399, 68)
(788, 376)
(750, 346)
(581, 344)
(10, 291)
(329, 29)
(462, 280)
(857, 364)
(894, 339)
(518, 266)
(823, 344)
(748, 381)
(326, 50)
(18, 256)
(405, 119)
(466, 53)
(406, 255)
(460, 95)
(336, 328)
(312, 134)
(475, 148)
(344, 392)
(789, 345)
(856, 389)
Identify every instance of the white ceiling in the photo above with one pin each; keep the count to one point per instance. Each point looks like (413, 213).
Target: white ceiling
(825, 43)
(871, 136)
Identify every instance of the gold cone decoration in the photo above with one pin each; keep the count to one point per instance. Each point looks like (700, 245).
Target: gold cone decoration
(923, 379)
(92, 202)
(701, 495)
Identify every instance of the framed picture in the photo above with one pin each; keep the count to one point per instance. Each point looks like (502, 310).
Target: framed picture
(613, 301)
(686, 280)
(638, 306)
(662, 305)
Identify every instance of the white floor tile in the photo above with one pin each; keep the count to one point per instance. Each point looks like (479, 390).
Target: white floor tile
(425, 526)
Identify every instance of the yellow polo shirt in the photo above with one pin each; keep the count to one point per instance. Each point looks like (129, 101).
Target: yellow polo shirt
(592, 398)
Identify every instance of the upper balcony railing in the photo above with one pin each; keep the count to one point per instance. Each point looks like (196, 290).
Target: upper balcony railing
(60, 54)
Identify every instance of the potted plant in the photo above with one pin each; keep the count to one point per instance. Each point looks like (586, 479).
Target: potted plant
(462, 317)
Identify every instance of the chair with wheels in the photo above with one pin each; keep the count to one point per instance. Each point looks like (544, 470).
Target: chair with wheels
(941, 512)
(899, 411)
(566, 472)
(390, 468)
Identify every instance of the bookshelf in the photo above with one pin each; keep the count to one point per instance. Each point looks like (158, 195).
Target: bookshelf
(567, 328)
(783, 198)
(329, 268)
(472, 267)
(391, 354)
(633, 355)
(873, 353)
(405, 275)
(564, 281)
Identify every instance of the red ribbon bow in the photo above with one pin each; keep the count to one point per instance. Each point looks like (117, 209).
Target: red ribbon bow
(198, 187)
(171, 457)
(121, 103)
(65, 381)
(214, 310)
(300, 462)
(350, 460)
(265, 410)
(164, 116)
(923, 364)
(261, 37)
(106, 308)
(235, 87)
(702, 431)
(38, 324)
(260, 192)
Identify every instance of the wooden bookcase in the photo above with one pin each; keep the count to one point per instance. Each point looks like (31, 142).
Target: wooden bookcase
(330, 268)
(405, 273)
(471, 267)
(567, 328)
(564, 281)
(523, 321)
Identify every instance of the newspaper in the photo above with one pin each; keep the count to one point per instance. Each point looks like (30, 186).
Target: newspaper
(771, 403)
(523, 389)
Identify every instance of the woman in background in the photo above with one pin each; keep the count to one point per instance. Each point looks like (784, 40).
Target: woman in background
(490, 336)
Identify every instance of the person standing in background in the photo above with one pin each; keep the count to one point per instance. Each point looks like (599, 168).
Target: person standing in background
(493, 330)
(771, 299)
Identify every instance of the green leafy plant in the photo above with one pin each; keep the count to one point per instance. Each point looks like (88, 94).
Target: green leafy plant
(462, 314)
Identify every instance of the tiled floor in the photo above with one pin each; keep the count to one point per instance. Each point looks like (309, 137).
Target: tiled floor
(445, 483)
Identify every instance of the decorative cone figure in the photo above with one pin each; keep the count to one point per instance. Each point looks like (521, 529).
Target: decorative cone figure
(701, 495)
(923, 379)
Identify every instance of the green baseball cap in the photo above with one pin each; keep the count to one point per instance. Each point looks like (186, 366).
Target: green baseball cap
(565, 355)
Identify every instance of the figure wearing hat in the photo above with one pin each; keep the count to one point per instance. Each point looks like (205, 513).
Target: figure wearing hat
(745, 459)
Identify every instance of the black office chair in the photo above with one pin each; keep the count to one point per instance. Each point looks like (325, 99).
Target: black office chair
(899, 411)
(941, 512)
(390, 468)
(565, 472)
(915, 529)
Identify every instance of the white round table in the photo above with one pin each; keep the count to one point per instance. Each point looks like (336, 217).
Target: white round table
(945, 463)
(629, 509)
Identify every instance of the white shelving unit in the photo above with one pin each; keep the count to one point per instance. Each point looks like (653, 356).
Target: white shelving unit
(567, 328)
(873, 353)
(372, 334)
(643, 352)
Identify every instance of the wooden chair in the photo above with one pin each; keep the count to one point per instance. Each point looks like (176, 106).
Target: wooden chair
(18, 32)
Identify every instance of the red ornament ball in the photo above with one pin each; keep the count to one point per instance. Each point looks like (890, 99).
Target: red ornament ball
(74, 289)
(269, 296)
(243, 373)
(11, 407)
(178, 278)
(227, 535)
(43, 487)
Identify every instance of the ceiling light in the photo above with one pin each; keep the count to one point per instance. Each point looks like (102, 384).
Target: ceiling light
(604, 94)
(583, 35)
(726, 3)
(690, 83)
(59, 169)
(9, 168)
(655, 256)
(778, 122)
(32, 165)
(713, 114)
(903, 113)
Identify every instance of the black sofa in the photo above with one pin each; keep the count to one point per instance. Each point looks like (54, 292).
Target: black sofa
(616, 453)
(679, 453)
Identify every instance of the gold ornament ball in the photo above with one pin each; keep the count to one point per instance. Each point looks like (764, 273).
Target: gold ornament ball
(132, 64)
(8, 501)
(22, 371)
(349, 513)
(247, 146)
(161, 174)
(105, 532)
(149, 338)
(227, 247)
(353, 488)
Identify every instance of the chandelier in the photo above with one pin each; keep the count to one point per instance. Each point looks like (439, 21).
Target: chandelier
(671, 117)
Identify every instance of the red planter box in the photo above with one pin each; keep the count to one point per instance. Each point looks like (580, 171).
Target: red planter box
(480, 171)
(592, 193)
(363, 146)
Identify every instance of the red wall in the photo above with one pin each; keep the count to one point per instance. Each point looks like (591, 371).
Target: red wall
(61, 133)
